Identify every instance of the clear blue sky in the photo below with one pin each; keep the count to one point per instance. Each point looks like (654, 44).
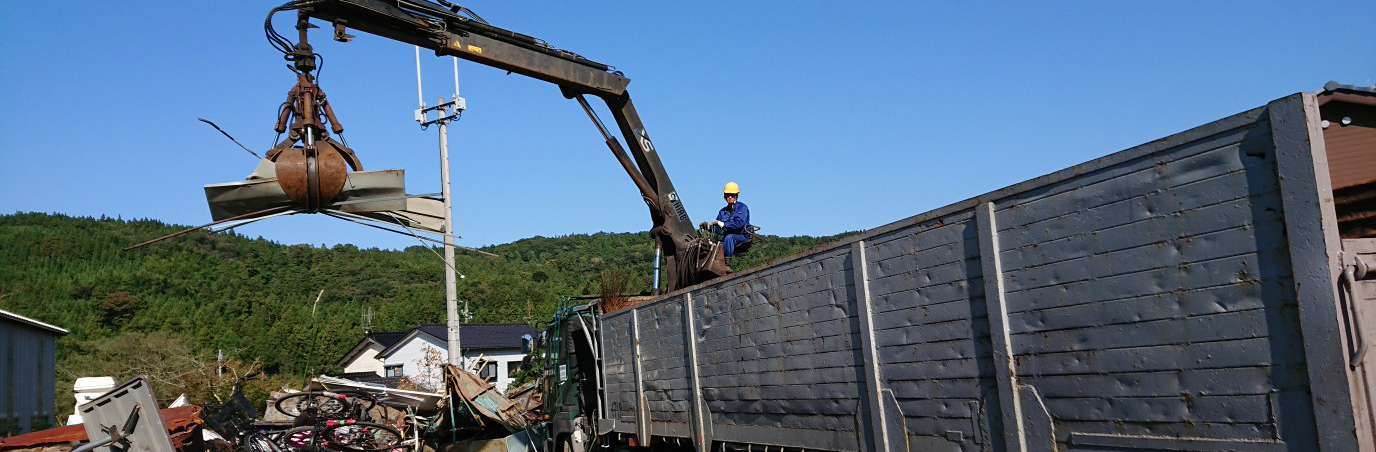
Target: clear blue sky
(832, 116)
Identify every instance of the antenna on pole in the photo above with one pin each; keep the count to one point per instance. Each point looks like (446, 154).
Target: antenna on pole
(447, 112)
(367, 319)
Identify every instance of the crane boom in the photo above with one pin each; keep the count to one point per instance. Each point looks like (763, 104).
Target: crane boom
(452, 30)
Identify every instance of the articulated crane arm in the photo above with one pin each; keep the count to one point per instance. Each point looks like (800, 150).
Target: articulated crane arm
(452, 30)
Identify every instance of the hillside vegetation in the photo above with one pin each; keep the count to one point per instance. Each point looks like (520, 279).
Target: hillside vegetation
(166, 309)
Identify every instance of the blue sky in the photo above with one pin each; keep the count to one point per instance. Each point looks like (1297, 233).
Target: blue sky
(831, 116)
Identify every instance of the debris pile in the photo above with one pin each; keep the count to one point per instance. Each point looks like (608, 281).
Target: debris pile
(330, 415)
(182, 424)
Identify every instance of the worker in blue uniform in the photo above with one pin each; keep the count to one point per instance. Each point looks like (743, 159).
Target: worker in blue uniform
(732, 221)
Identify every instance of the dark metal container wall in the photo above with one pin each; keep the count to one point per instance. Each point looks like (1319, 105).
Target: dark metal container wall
(28, 353)
(1179, 295)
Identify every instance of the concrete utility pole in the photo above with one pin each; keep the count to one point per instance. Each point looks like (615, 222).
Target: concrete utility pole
(447, 111)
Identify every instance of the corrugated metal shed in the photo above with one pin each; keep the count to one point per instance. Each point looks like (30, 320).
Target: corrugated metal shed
(28, 350)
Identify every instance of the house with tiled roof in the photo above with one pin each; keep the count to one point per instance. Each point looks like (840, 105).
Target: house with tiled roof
(416, 354)
(363, 357)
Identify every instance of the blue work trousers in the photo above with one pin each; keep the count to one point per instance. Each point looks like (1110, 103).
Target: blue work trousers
(731, 240)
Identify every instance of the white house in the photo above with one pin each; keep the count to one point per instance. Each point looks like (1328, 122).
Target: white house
(363, 357)
(419, 354)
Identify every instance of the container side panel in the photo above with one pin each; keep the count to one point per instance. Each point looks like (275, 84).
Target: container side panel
(778, 356)
(619, 370)
(1153, 298)
(664, 362)
(932, 331)
(1147, 299)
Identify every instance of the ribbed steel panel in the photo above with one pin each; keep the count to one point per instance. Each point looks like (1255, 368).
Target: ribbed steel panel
(1150, 299)
(27, 373)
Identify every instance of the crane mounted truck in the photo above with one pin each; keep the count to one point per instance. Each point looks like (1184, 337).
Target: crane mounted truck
(1207, 291)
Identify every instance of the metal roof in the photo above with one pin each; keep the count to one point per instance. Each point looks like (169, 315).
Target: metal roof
(31, 322)
(387, 338)
(483, 335)
(475, 336)
(1334, 86)
(384, 339)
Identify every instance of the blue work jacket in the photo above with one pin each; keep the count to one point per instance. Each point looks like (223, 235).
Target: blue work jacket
(734, 219)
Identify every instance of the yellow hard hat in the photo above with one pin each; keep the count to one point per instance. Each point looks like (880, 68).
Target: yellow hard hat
(731, 188)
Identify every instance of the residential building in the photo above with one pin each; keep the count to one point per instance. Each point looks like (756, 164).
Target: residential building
(419, 354)
(28, 356)
(363, 357)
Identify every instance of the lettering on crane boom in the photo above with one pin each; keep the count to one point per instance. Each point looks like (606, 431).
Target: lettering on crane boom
(678, 206)
(645, 141)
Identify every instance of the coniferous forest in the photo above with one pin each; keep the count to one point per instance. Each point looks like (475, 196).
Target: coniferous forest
(167, 309)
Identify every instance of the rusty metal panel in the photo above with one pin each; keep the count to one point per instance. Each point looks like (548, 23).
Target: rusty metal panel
(1349, 135)
(1145, 300)
(183, 425)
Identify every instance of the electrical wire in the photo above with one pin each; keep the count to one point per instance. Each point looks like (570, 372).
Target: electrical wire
(346, 217)
(252, 220)
(426, 245)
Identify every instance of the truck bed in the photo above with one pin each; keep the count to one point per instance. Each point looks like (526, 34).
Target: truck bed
(1182, 294)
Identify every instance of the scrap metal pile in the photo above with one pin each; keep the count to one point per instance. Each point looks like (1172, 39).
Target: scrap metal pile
(343, 421)
(332, 415)
(338, 415)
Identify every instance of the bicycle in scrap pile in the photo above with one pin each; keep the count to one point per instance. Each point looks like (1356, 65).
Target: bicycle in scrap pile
(236, 420)
(339, 421)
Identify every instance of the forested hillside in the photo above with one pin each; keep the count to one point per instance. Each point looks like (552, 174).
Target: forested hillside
(165, 309)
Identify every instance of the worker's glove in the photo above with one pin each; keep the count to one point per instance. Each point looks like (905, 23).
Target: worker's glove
(718, 223)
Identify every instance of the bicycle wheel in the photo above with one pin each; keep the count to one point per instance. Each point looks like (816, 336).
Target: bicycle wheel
(257, 442)
(362, 437)
(361, 400)
(299, 438)
(322, 403)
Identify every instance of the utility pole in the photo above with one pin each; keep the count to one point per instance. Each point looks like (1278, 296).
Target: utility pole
(447, 111)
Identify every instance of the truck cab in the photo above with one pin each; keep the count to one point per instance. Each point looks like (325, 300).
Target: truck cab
(568, 352)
